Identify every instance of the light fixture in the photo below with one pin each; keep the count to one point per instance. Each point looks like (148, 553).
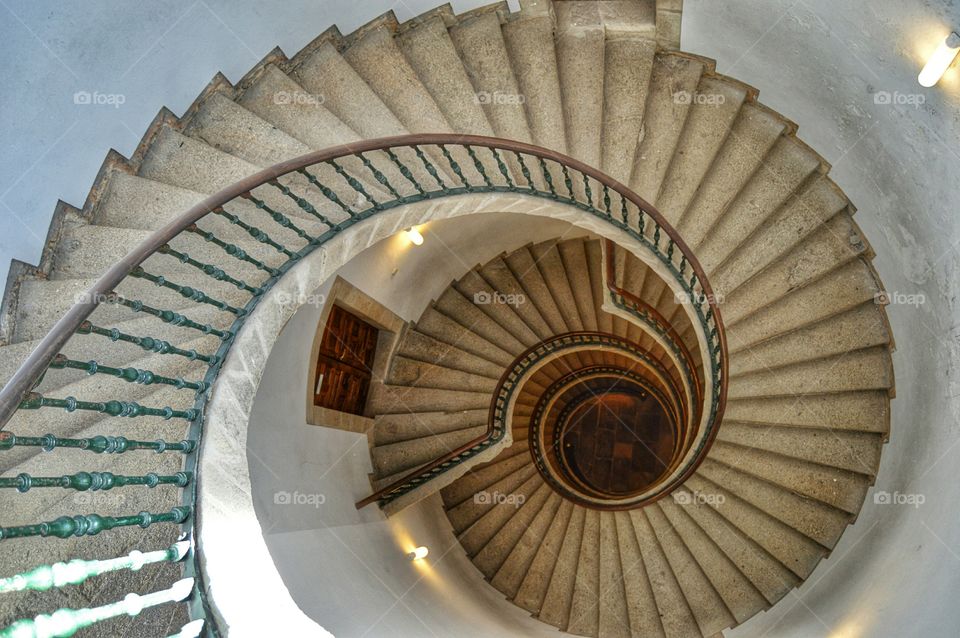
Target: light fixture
(414, 236)
(940, 61)
(419, 553)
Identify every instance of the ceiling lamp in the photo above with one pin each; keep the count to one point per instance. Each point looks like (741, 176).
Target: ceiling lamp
(940, 61)
(414, 236)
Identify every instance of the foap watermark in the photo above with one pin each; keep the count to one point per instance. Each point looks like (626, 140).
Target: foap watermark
(498, 97)
(881, 497)
(897, 298)
(699, 498)
(287, 299)
(284, 98)
(298, 498)
(87, 297)
(101, 499)
(484, 298)
(686, 298)
(498, 498)
(703, 99)
(96, 98)
(896, 98)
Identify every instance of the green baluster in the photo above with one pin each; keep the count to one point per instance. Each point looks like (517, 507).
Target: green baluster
(208, 269)
(642, 222)
(305, 205)
(254, 232)
(430, 167)
(130, 375)
(353, 182)
(455, 167)
(586, 189)
(405, 171)
(693, 281)
(66, 622)
(379, 176)
(606, 200)
(548, 177)
(93, 524)
(478, 165)
(683, 264)
(670, 246)
(97, 444)
(623, 209)
(167, 316)
(502, 167)
(524, 170)
(187, 292)
(567, 181)
(77, 571)
(93, 481)
(131, 409)
(231, 249)
(656, 236)
(147, 343)
(279, 218)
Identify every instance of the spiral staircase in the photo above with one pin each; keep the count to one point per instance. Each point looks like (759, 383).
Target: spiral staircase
(584, 104)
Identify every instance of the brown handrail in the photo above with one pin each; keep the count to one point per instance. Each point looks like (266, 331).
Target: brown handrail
(28, 374)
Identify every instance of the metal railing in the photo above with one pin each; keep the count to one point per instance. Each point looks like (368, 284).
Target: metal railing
(283, 213)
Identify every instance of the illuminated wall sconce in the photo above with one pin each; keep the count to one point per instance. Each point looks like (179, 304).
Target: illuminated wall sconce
(419, 553)
(940, 61)
(414, 236)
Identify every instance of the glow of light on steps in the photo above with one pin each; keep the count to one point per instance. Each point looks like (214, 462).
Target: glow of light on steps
(940, 61)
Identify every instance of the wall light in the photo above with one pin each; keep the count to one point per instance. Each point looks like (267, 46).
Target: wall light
(414, 236)
(419, 553)
(940, 61)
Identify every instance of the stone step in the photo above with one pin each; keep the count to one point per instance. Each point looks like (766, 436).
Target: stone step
(641, 605)
(535, 583)
(837, 488)
(482, 477)
(496, 552)
(771, 579)
(468, 512)
(557, 600)
(674, 77)
(853, 451)
(584, 606)
(410, 372)
(739, 595)
(523, 266)
(676, 616)
(715, 106)
(377, 58)
(502, 509)
(815, 520)
(324, 72)
(627, 68)
(394, 399)
(517, 564)
(596, 266)
(796, 219)
(574, 257)
(792, 549)
(482, 50)
(705, 603)
(408, 455)
(614, 619)
(396, 428)
(497, 306)
(741, 157)
(787, 167)
(529, 43)
(422, 347)
(433, 56)
(440, 327)
(550, 265)
(498, 276)
(862, 327)
(279, 99)
(867, 411)
(580, 60)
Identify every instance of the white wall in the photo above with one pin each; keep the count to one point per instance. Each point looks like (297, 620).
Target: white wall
(347, 569)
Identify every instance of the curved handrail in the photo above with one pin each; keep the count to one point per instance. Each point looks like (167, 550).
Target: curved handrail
(594, 193)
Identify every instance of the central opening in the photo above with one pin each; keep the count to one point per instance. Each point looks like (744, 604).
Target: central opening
(618, 442)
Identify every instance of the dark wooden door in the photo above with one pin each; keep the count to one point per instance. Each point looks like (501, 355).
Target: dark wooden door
(345, 362)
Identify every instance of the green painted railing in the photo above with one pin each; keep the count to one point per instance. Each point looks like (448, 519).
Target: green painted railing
(252, 234)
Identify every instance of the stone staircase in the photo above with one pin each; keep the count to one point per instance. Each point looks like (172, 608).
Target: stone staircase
(810, 369)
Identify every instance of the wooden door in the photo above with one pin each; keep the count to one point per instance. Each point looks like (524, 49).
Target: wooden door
(345, 362)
